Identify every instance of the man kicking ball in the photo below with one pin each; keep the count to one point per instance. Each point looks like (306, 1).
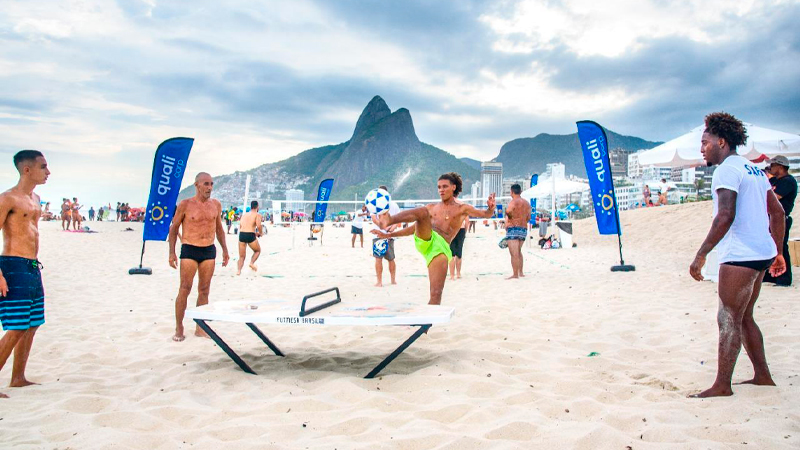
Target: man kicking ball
(747, 231)
(434, 227)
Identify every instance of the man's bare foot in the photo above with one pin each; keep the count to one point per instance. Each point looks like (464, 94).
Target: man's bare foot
(759, 382)
(394, 282)
(713, 392)
(200, 333)
(512, 277)
(3, 395)
(179, 337)
(378, 284)
(21, 383)
(458, 276)
(238, 272)
(254, 267)
(522, 275)
(452, 278)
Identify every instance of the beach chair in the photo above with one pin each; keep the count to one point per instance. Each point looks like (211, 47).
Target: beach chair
(329, 313)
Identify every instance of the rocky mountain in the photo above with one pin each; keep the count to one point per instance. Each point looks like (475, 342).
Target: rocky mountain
(384, 149)
(474, 163)
(525, 156)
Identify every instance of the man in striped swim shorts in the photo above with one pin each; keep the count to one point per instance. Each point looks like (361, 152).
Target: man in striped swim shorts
(21, 292)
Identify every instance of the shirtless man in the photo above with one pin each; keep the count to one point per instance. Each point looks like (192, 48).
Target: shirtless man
(76, 214)
(66, 214)
(21, 292)
(249, 233)
(199, 217)
(434, 227)
(747, 232)
(457, 248)
(518, 214)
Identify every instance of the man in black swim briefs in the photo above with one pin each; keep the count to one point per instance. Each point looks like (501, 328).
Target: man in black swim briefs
(250, 230)
(201, 220)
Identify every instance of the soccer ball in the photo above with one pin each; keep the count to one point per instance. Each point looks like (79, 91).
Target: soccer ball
(377, 201)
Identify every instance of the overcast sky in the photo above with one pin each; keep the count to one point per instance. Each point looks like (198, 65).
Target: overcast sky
(97, 85)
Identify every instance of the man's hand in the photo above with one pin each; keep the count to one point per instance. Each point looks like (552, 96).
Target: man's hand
(380, 234)
(225, 257)
(697, 267)
(173, 261)
(3, 286)
(491, 202)
(777, 268)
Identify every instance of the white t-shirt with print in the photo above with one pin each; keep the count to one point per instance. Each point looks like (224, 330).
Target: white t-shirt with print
(748, 238)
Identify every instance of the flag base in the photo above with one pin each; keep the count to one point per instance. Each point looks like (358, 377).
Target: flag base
(623, 268)
(140, 271)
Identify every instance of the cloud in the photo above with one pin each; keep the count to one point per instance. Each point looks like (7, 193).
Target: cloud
(97, 85)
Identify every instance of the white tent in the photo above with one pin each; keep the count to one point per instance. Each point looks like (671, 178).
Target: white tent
(684, 151)
(551, 187)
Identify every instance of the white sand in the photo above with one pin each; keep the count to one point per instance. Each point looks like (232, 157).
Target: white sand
(511, 370)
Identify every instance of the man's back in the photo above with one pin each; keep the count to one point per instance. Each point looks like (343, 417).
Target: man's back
(249, 222)
(517, 212)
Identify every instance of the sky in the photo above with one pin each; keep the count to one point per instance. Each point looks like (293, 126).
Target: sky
(96, 85)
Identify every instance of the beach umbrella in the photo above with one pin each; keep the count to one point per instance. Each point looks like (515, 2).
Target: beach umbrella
(572, 207)
(684, 151)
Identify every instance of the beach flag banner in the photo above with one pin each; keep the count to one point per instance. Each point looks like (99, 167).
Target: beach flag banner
(323, 194)
(168, 169)
(594, 144)
(534, 182)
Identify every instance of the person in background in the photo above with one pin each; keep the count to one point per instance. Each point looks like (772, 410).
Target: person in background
(91, 213)
(785, 188)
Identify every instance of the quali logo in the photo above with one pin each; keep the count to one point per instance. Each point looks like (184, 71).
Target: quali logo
(605, 201)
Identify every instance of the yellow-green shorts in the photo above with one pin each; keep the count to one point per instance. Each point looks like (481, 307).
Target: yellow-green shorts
(433, 248)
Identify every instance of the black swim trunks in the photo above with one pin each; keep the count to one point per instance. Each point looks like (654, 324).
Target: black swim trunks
(457, 245)
(759, 265)
(198, 254)
(23, 306)
(246, 237)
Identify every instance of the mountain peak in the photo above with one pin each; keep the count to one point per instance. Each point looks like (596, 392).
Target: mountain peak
(375, 111)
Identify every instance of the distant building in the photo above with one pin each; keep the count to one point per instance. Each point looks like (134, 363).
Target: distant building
(524, 183)
(294, 195)
(631, 196)
(556, 169)
(619, 162)
(269, 188)
(491, 178)
(653, 173)
(476, 192)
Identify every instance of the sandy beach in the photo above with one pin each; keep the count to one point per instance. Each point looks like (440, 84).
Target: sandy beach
(512, 370)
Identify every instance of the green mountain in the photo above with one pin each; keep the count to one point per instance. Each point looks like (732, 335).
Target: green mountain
(383, 150)
(525, 156)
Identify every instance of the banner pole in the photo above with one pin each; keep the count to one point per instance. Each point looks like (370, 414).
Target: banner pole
(141, 259)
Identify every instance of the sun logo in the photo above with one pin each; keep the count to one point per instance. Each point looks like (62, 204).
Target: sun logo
(606, 202)
(158, 214)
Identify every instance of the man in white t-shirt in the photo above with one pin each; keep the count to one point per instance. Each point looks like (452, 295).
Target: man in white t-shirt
(747, 231)
(357, 229)
(388, 255)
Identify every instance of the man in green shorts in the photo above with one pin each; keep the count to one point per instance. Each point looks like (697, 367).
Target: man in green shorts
(434, 227)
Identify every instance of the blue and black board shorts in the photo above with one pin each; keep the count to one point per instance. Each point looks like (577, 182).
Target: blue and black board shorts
(23, 305)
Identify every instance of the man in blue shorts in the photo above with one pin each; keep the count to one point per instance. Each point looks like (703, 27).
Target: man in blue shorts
(21, 291)
(748, 232)
(518, 214)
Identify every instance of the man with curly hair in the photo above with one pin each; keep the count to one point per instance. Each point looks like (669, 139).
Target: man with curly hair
(748, 232)
(434, 227)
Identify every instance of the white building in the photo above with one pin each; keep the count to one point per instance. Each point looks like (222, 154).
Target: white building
(524, 183)
(491, 178)
(294, 195)
(629, 197)
(556, 168)
(653, 173)
(634, 169)
(476, 191)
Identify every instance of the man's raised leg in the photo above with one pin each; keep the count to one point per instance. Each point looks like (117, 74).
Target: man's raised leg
(242, 255)
(188, 270)
(753, 342)
(437, 274)
(735, 291)
(21, 353)
(204, 273)
(7, 344)
(256, 248)
(420, 215)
